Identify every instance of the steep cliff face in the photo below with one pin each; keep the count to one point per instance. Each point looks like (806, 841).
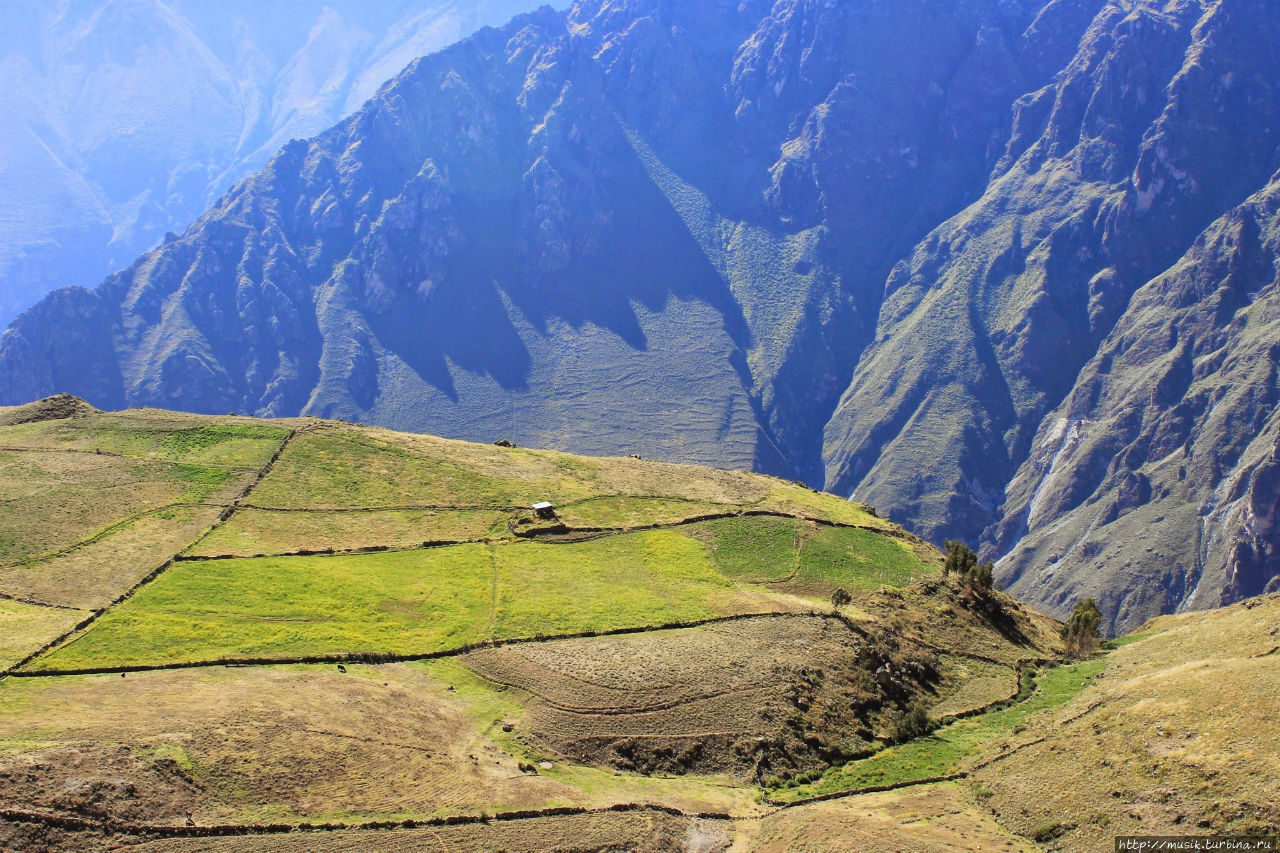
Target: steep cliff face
(1164, 119)
(920, 253)
(1154, 486)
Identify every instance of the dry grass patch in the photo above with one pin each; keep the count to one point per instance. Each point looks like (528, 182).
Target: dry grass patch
(791, 498)
(255, 744)
(1175, 737)
(253, 532)
(24, 628)
(924, 819)
(629, 512)
(156, 435)
(341, 467)
(58, 500)
(93, 575)
(972, 684)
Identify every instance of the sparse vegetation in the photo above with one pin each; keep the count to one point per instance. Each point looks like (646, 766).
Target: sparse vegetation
(1048, 831)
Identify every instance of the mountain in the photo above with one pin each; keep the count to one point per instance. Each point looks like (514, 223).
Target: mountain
(127, 118)
(1015, 361)
(920, 254)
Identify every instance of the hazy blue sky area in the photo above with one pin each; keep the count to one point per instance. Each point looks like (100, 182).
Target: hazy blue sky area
(125, 119)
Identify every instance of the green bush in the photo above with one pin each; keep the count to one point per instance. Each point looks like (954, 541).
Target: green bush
(1048, 831)
(914, 722)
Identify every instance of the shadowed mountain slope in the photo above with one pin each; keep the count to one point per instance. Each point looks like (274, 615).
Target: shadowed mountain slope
(537, 233)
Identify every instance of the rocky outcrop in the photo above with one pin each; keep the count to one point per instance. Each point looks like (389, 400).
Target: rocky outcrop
(55, 408)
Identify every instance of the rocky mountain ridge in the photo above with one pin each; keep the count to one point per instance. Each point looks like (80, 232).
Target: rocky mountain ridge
(922, 255)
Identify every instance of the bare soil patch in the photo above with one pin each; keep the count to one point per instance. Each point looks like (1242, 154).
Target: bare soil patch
(753, 697)
(256, 744)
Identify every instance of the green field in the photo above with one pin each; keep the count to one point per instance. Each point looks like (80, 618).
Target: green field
(638, 579)
(755, 549)
(402, 602)
(293, 606)
(941, 753)
(841, 556)
(426, 600)
(169, 437)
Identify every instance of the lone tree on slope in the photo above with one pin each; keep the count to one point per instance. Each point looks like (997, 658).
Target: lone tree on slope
(1081, 629)
(962, 560)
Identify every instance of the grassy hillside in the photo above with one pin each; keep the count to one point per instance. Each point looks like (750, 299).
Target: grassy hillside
(1175, 735)
(289, 622)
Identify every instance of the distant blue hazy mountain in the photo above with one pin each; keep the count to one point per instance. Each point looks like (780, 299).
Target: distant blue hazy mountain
(1005, 270)
(124, 119)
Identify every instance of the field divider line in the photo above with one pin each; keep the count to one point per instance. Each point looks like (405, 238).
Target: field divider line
(369, 509)
(870, 789)
(563, 535)
(77, 631)
(37, 603)
(377, 658)
(82, 824)
(1014, 750)
(112, 528)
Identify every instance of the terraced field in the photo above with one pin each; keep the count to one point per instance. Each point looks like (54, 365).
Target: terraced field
(306, 635)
